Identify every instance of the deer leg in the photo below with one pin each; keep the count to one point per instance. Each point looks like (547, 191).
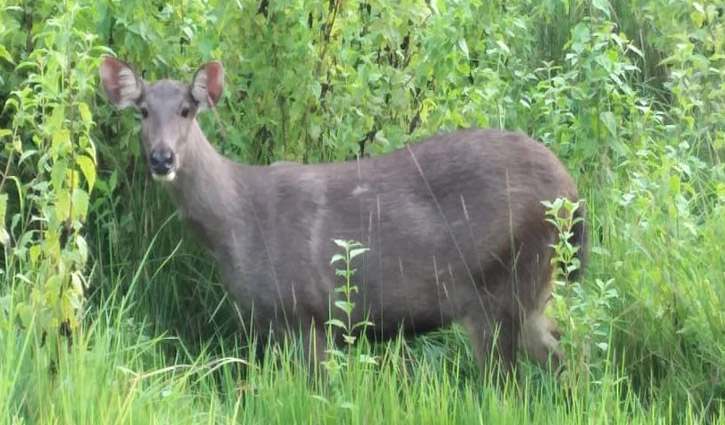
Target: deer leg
(540, 344)
(494, 338)
(314, 344)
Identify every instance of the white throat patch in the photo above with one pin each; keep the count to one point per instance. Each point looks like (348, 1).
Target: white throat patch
(164, 177)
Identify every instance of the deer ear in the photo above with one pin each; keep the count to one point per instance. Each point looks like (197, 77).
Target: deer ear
(120, 82)
(207, 85)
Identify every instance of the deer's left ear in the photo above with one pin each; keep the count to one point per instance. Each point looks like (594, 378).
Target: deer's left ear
(206, 88)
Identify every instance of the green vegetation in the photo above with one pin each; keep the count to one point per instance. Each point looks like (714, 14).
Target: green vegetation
(629, 93)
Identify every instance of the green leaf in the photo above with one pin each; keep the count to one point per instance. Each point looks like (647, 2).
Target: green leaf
(336, 258)
(25, 313)
(363, 324)
(61, 141)
(85, 114)
(82, 247)
(336, 323)
(52, 288)
(580, 36)
(34, 253)
(464, 46)
(367, 359)
(57, 175)
(5, 54)
(77, 283)
(503, 46)
(603, 6)
(4, 235)
(609, 121)
(357, 251)
(62, 206)
(80, 204)
(345, 306)
(88, 167)
(3, 207)
(25, 155)
(316, 89)
(57, 118)
(336, 353)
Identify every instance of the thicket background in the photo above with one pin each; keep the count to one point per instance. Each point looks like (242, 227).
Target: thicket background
(629, 93)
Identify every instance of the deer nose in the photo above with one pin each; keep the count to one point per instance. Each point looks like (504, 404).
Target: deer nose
(161, 161)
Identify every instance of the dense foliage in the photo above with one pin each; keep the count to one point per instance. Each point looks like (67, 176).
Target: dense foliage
(99, 298)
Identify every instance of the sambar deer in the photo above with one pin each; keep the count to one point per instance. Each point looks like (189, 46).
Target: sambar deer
(455, 225)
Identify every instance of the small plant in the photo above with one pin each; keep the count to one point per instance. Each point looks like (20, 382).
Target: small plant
(561, 214)
(338, 358)
(582, 310)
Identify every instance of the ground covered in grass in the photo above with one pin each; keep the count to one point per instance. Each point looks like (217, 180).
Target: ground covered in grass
(110, 312)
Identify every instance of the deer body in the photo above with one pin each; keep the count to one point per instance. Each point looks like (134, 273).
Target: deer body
(455, 224)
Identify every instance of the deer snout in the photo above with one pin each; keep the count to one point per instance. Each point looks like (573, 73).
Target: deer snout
(161, 161)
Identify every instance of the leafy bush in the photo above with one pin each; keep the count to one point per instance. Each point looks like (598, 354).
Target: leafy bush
(50, 172)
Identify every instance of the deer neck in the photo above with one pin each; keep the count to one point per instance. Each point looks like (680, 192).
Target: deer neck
(209, 190)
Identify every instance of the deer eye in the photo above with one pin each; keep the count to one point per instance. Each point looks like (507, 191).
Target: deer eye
(144, 112)
(185, 112)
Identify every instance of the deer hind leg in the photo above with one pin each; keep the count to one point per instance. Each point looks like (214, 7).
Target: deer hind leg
(537, 334)
(540, 344)
(512, 314)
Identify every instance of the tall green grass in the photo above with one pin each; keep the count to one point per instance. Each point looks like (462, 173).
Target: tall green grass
(116, 373)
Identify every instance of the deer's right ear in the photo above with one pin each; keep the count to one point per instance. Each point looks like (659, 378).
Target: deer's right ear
(120, 82)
